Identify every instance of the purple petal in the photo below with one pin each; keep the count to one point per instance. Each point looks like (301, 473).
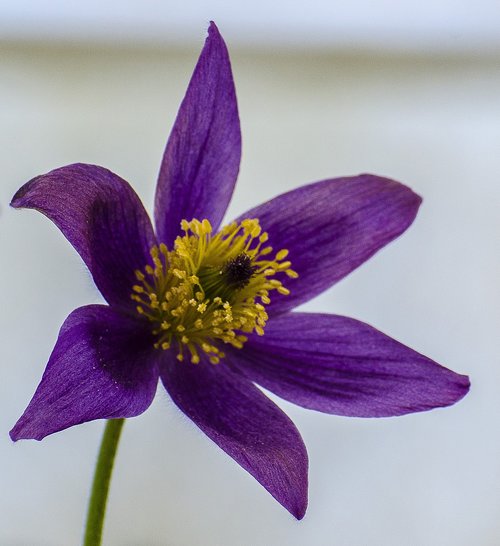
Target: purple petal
(331, 227)
(101, 216)
(102, 367)
(342, 366)
(245, 424)
(202, 157)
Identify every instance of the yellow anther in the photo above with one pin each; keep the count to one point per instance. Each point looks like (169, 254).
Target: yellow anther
(281, 255)
(256, 231)
(291, 273)
(284, 265)
(283, 290)
(184, 252)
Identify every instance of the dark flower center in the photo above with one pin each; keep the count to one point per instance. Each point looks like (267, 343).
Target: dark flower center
(238, 271)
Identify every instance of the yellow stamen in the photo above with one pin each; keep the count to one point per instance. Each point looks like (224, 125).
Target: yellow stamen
(210, 289)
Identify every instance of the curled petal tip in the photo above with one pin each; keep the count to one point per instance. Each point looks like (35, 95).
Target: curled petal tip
(412, 195)
(299, 512)
(213, 30)
(463, 387)
(17, 200)
(214, 35)
(17, 433)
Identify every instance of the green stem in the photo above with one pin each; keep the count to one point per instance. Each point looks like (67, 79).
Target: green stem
(100, 486)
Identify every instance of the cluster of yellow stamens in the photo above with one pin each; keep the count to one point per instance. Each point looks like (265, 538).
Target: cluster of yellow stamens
(210, 288)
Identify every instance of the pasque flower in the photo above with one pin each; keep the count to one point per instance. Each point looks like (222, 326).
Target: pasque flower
(208, 310)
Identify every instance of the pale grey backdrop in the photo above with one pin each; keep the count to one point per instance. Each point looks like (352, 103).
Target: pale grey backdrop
(432, 122)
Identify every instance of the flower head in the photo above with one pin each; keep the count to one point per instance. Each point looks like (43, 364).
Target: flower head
(208, 309)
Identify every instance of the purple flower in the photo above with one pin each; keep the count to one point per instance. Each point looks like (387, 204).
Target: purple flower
(208, 310)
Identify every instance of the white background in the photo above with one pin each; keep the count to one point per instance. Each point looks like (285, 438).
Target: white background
(427, 25)
(407, 90)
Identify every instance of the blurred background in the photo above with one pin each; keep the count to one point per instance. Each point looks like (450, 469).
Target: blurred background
(408, 90)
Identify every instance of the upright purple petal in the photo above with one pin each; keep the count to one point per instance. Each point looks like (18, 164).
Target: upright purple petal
(342, 366)
(202, 157)
(331, 227)
(101, 216)
(102, 367)
(245, 424)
